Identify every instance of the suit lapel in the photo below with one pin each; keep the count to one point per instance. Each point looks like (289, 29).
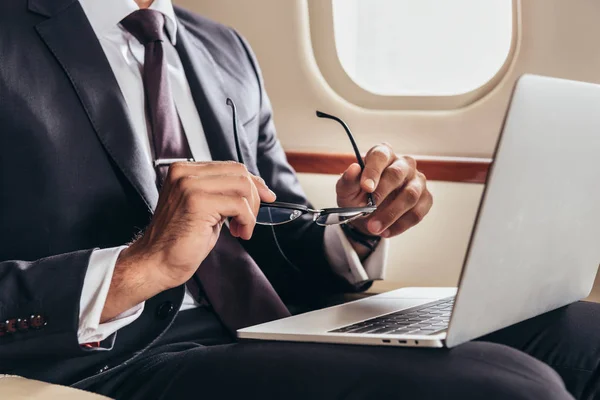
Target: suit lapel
(210, 97)
(71, 39)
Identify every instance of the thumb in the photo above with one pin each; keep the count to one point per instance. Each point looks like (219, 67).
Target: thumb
(348, 186)
(266, 194)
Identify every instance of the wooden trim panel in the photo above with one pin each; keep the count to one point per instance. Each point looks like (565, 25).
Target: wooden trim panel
(447, 169)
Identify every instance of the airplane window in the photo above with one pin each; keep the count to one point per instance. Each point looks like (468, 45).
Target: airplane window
(422, 48)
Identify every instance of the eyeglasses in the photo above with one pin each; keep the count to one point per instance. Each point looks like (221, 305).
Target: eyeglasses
(279, 213)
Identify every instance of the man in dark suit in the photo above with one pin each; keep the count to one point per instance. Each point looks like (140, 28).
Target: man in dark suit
(101, 240)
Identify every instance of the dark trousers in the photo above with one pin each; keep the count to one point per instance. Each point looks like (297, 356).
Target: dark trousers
(553, 356)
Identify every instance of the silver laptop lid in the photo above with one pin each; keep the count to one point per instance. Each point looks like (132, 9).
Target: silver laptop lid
(536, 243)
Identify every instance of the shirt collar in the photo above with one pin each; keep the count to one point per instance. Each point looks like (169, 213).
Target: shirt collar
(105, 15)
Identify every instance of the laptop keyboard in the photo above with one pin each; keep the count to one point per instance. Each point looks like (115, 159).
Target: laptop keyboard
(428, 319)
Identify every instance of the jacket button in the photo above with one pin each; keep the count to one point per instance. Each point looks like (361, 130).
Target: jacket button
(37, 322)
(22, 325)
(164, 310)
(11, 326)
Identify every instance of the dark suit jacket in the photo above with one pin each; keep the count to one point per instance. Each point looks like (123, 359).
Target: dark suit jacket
(72, 180)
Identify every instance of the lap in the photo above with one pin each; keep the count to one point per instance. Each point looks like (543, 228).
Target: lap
(567, 339)
(274, 370)
(512, 363)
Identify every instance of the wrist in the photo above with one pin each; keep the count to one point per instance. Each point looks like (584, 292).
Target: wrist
(364, 244)
(145, 266)
(132, 283)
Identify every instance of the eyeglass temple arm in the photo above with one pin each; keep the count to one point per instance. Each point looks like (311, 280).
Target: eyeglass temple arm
(359, 159)
(235, 131)
(320, 115)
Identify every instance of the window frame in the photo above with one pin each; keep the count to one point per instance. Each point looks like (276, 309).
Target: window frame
(321, 20)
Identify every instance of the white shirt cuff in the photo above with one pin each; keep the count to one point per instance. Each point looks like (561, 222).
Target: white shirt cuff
(93, 297)
(346, 263)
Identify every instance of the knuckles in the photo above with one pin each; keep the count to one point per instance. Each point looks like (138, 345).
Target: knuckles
(243, 205)
(193, 200)
(185, 183)
(243, 168)
(391, 215)
(380, 154)
(412, 163)
(244, 184)
(396, 173)
(412, 194)
(176, 171)
(417, 215)
(179, 169)
(236, 167)
(258, 180)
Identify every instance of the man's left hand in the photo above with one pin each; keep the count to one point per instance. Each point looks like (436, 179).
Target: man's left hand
(399, 190)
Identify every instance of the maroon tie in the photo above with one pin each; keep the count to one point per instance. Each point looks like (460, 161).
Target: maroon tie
(234, 285)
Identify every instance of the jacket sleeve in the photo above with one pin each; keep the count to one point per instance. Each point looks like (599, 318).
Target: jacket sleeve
(39, 306)
(292, 255)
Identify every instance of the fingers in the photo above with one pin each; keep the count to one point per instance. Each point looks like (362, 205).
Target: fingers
(201, 169)
(193, 184)
(411, 218)
(397, 204)
(376, 161)
(204, 206)
(348, 186)
(230, 185)
(235, 207)
(266, 194)
(181, 169)
(394, 177)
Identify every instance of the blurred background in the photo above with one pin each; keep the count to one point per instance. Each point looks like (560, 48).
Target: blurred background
(431, 77)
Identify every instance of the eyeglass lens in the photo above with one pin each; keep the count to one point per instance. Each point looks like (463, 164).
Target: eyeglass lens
(276, 215)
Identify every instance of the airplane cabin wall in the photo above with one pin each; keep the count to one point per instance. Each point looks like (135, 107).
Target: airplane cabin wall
(551, 37)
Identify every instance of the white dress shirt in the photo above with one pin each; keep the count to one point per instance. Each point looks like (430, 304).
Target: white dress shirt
(126, 58)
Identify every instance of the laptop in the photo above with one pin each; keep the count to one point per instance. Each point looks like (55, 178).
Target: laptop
(535, 245)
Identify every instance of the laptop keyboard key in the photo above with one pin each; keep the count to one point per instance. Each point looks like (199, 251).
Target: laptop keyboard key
(345, 329)
(386, 329)
(365, 329)
(426, 319)
(436, 332)
(400, 331)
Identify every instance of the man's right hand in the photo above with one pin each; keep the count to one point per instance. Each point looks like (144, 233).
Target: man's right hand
(195, 200)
